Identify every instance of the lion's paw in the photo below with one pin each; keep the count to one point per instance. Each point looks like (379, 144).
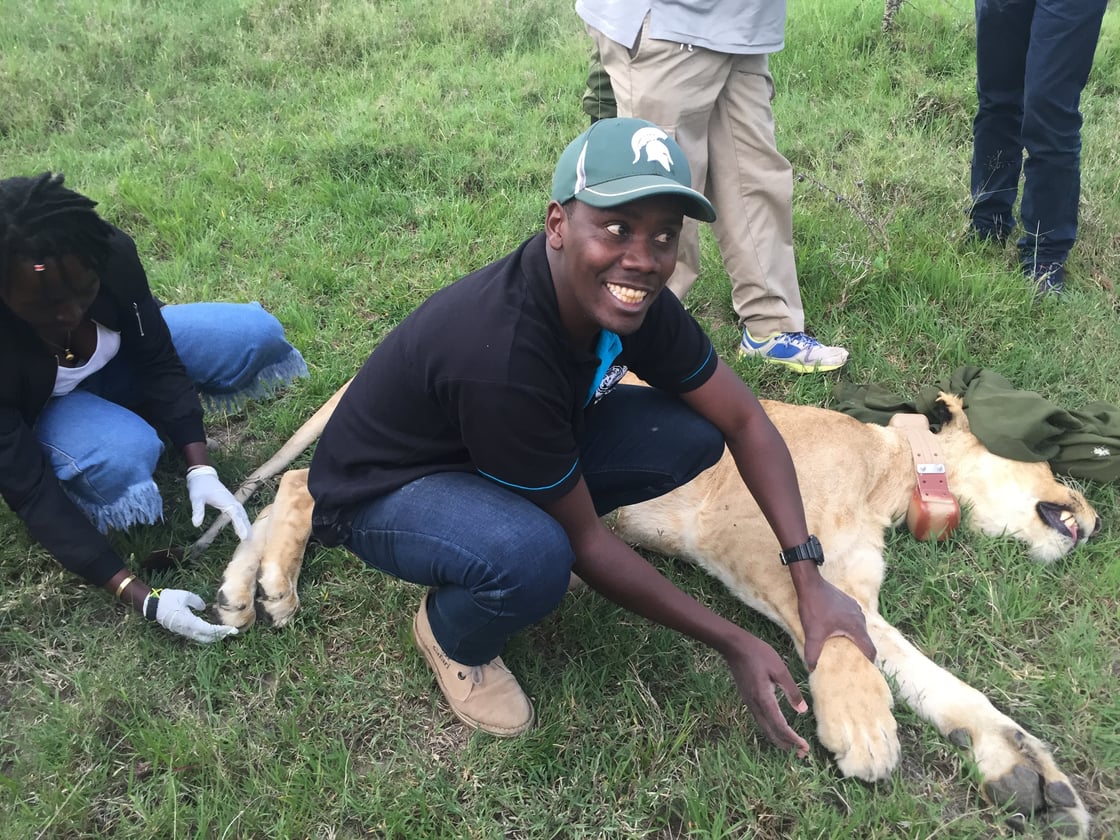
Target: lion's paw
(281, 607)
(852, 704)
(1019, 774)
(235, 608)
(276, 595)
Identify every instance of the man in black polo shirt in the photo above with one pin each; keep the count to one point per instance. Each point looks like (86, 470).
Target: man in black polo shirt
(477, 448)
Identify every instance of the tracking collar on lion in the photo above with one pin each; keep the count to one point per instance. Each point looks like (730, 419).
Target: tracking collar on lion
(934, 512)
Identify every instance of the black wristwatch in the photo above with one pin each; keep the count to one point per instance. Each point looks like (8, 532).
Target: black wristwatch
(808, 550)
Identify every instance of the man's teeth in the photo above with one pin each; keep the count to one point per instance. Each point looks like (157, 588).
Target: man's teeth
(625, 294)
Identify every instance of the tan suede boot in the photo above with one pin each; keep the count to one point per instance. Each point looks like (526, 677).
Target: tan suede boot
(486, 697)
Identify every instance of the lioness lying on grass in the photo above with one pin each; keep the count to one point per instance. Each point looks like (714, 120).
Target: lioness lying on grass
(857, 481)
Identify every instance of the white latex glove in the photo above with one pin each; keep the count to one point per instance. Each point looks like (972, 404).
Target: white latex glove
(173, 609)
(205, 488)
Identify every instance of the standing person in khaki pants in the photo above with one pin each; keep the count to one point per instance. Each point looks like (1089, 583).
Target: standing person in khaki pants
(700, 70)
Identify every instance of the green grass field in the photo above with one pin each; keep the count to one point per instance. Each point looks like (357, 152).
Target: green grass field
(338, 161)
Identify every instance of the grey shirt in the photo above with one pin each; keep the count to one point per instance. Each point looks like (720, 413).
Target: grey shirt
(728, 26)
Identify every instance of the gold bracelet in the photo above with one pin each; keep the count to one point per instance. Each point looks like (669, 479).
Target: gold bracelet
(125, 583)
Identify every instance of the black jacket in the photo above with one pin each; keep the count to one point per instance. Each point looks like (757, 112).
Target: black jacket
(486, 380)
(27, 374)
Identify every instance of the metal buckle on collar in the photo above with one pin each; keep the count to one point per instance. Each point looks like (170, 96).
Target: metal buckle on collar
(934, 512)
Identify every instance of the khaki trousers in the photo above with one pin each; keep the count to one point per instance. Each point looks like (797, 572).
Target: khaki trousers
(717, 107)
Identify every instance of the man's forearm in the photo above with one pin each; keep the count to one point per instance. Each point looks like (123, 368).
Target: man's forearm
(617, 572)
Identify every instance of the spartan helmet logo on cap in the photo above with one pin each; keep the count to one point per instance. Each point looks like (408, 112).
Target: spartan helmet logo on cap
(649, 138)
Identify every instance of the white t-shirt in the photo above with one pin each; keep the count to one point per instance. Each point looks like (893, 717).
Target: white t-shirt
(68, 378)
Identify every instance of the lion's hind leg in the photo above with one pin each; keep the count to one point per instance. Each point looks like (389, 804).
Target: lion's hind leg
(283, 551)
(852, 705)
(235, 602)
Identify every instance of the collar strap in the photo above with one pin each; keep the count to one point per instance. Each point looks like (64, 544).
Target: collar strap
(934, 512)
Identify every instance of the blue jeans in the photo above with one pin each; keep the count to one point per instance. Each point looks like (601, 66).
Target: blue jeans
(1032, 61)
(495, 562)
(105, 454)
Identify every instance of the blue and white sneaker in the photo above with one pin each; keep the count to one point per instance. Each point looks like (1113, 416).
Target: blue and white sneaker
(798, 351)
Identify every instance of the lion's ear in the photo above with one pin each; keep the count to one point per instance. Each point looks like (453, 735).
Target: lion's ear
(950, 412)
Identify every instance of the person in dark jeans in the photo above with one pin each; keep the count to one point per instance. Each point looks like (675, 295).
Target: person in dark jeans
(485, 436)
(1032, 61)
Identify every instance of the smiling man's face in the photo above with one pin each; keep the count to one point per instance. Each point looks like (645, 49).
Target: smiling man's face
(609, 264)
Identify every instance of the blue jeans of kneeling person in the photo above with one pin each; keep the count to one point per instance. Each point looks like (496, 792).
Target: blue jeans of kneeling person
(496, 563)
(105, 454)
(1032, 61)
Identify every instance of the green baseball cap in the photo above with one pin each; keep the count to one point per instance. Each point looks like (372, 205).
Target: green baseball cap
(621, 160)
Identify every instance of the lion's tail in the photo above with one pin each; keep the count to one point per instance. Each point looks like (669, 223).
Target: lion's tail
(303, 437)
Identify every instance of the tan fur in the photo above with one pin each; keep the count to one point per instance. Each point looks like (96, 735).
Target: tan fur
(856, 481)
(304, 436)
(280, 533)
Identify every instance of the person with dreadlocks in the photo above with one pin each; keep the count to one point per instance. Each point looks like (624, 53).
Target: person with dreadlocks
(95, 373)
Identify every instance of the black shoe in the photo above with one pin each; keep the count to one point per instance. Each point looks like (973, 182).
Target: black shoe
(987, 236)
(1048, 278)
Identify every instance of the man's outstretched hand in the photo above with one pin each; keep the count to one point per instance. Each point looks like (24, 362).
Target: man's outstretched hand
(758, 671)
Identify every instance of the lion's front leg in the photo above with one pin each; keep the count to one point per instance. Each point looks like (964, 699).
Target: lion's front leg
(1017, 771)
(851, 699)
(852, 704)
(234, 604)
(283, 551)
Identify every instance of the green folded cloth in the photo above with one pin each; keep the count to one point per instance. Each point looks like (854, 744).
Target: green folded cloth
(1016, 424)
